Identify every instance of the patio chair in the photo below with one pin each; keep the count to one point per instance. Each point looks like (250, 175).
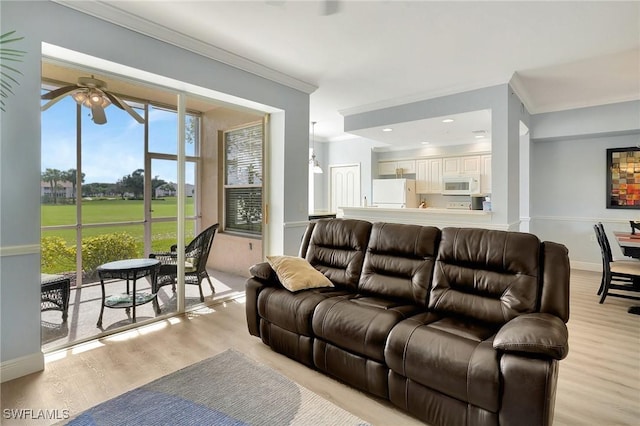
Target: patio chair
(196, 255)
(54, 293)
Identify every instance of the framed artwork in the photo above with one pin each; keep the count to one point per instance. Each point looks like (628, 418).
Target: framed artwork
(623, 178)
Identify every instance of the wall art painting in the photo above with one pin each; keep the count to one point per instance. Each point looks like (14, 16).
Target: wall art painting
(623, 178)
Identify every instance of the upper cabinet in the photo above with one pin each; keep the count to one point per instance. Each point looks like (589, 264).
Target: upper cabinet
(396, 168)
(485, 174)
(461, 165)
(429, 171)
(429, 176)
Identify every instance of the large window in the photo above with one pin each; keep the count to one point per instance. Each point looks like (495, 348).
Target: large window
(243, 179)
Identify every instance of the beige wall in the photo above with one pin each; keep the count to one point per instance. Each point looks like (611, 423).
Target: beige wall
(230, 253)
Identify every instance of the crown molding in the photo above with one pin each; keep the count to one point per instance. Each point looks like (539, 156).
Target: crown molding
(577, 105)
(424, 96)
(113, 14)
(518, 86)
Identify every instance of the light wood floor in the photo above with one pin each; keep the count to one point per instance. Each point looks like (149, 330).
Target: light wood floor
(599, 382)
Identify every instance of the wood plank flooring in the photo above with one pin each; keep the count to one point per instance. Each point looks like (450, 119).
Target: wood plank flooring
(599, 382)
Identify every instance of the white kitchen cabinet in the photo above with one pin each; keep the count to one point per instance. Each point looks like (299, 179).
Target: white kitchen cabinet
(470, 165)
(429, 176)
(407, 167)
(387, 168)
(485, 174)
(396, 168)
(435, 175)
(422, 173)
(451, 166)
(465, 165)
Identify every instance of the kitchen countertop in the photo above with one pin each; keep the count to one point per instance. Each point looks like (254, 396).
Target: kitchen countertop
(430, 216)
(434, 210)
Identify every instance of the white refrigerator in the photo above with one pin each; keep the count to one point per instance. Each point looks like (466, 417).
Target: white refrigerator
(394, 193)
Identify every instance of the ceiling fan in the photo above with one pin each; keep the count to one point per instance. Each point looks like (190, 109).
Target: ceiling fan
(93, 94)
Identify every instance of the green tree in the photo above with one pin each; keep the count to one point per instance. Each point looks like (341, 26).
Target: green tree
(133, 183)
(53, 177)
(156, 183)
(71, 175)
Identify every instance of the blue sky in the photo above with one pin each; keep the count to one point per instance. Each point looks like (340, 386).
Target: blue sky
(112, 150)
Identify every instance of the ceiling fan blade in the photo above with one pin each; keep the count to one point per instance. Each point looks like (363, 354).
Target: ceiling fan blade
(58, 92)
(123, 105)
(59, 97)
(97, 114)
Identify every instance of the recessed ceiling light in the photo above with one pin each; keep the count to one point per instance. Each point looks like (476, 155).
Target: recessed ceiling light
(387, 129)
(425, 143)
(479, 136)
(448, 120)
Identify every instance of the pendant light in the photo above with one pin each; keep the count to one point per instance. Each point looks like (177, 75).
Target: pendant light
(313, 162)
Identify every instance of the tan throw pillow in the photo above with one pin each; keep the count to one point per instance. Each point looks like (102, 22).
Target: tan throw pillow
(295, 273)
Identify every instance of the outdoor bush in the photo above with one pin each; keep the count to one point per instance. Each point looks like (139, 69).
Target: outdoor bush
(55, 256)
(107, 248)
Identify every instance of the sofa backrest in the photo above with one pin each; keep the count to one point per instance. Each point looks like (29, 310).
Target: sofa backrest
(488, 275)
(554, 298)
(399, 262)
(336, 247)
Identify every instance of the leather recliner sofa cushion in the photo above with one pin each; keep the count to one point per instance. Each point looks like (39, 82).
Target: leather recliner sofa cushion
(447, 354)
(359, 325)
(336, 248)
(491, 276)
(394, 285)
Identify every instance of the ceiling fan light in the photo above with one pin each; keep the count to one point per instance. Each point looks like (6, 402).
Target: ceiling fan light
(96, 98)
(79, 97)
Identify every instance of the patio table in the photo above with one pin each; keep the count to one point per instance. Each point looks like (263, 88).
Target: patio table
(129, 270)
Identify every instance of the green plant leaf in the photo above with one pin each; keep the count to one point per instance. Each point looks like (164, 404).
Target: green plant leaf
(11, 55)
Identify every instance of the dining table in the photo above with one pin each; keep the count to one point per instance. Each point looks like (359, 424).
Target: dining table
(629, 243)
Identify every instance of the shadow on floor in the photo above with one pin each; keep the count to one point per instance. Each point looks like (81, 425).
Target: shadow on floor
(85, 302)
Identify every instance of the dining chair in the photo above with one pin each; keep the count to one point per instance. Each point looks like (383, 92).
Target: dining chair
(196, 254)
(621, 275)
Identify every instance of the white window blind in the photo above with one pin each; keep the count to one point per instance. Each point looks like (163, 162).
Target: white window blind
(243, 179)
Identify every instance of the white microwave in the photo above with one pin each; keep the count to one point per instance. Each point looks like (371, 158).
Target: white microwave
(460, 185)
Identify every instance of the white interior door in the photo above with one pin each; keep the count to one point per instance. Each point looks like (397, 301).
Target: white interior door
(344, 187)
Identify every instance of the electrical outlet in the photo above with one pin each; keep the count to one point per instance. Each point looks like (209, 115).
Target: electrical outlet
(459, 205)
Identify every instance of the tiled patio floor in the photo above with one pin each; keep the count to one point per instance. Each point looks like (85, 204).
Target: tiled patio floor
(84, 308)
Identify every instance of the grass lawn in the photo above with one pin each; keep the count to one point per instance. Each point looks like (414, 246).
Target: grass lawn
(117, 210)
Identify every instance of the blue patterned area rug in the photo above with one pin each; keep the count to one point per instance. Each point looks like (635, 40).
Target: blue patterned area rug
(227, 389)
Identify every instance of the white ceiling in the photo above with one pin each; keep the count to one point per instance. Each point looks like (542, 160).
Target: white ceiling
(372, 54)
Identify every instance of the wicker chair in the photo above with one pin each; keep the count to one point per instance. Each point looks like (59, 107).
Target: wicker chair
(54, 293)
(196, 255)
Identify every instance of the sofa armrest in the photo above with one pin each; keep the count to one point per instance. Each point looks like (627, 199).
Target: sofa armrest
(538, 333)
(263, 271)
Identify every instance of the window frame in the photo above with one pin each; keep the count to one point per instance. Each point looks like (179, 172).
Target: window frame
(225, 186)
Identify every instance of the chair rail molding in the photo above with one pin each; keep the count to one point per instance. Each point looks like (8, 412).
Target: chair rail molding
(580, 219)
(20, 250)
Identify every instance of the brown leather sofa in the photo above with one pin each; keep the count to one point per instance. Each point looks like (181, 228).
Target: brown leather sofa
(456, 326)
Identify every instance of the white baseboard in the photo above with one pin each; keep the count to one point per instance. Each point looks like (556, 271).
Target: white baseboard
(18, 367)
